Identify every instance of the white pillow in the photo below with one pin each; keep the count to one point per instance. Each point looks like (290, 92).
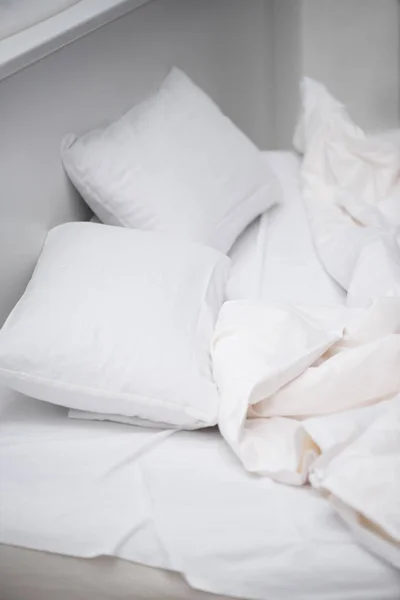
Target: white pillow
(176, 164)
(118, 322)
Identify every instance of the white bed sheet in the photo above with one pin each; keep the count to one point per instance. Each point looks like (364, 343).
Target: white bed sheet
(181, 501)
(292, 271)
(274, 259)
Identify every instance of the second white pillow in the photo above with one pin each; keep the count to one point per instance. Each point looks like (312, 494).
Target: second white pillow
(173, 164)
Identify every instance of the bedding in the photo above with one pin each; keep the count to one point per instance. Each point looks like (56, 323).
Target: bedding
(351, 187)
(105, 310)
(146, 496)
(276, 365)
(246, 257)
(180, 500)
(173, 164)
(274, 259)
(291, 269)
(361, 482)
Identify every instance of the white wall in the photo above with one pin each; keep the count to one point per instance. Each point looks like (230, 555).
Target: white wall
(220, 43)
(287, 40)
(243, 55)
(353, 47)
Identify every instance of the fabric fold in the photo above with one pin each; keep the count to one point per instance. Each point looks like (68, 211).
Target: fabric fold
(309, 393)
(275, 366)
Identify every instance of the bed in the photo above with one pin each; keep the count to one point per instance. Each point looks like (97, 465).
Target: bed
(170, 505)
(100, 510)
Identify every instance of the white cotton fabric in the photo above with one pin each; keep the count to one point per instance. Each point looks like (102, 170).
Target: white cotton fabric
(361, 479)
(173, 164)
(351, 186)
(118, 322)
(247, 260)
(279, 365)
(181, 500)
(291, 271)
(274, 259)
(174, 500)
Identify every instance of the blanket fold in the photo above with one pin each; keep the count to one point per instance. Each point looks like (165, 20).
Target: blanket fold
(309, 393)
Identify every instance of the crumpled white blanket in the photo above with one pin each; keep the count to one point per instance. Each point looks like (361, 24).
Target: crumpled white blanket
(312, 394)
(351, 187)
(361, 476)
(277, 366)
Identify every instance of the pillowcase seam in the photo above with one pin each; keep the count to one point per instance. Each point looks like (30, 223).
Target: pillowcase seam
(21, 375)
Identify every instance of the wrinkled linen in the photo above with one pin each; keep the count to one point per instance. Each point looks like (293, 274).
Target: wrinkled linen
(361, 479)
(175, 500)
(351, 187)
(310, 393)
(277, 365)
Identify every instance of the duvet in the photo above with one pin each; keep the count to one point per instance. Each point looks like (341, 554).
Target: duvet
(311, 394)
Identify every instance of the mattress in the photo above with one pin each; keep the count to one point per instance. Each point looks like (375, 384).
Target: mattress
(118, 511)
